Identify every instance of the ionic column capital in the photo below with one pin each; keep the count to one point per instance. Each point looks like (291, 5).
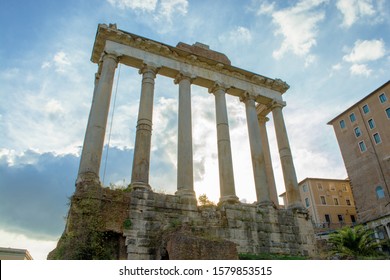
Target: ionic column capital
(183, 76)
(218, 86)
(277, 104)
(247, 96)
(113, 55)
(149, 68)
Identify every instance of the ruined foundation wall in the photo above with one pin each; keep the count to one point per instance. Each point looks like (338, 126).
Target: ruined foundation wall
(254, 229)
(115, 224)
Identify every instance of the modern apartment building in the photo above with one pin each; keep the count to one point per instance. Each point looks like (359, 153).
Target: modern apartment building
(329, 201)
(363, 134)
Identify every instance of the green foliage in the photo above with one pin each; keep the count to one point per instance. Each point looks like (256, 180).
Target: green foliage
(204, 201)
(175, 223)
(123, 188)
(86, 236)
(354, 243)
(127, 224)
(269, 256)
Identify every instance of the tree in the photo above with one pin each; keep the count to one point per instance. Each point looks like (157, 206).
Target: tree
(204, 201)
(354, 242)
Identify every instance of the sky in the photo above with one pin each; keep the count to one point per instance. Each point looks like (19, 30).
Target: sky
(331, 53)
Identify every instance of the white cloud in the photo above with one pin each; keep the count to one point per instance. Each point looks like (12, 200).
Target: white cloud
(298, 26)
(143, 5)
(310, 59)
(61, 60)
(266, 8)
(9, 74)
(45, 65)
(38, 249)
(336, 67)
(54, 107)
(360, 69)
(168, 8)
(239, 35)
(366, 51)
(353, 10)
(162, 11)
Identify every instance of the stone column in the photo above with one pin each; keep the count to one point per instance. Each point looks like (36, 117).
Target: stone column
(290, 177)
(143, 137)
(268, 161)
(226, 176)
(185, 176)
(94, 136)
(255, 141)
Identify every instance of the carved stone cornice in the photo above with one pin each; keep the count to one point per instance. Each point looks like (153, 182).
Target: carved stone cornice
(111, 33)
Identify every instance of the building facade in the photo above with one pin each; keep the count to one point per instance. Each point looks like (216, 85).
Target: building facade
(363, 135)
(14, 254)
(329, 201)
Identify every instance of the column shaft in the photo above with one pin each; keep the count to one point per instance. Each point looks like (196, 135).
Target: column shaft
(258, 162)
(226, 176)
(141, 160)
(290, 177)
(268, 161)
(185, 177)
(94, 137)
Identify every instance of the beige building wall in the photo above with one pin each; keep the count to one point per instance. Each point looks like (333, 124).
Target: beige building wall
(363, 134)
(14, 254)
(329, 201)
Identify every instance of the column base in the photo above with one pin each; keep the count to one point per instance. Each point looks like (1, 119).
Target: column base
(230, 199)
(140, 186)
(265, 203)
(296, 206)
(87, 178)
(186, 196)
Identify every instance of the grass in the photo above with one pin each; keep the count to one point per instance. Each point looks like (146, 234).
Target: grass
(269, 256)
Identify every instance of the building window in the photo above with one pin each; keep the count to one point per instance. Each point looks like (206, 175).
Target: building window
(380, 193)
(366, 109)
(323, 200)
(377, 138)
(362, 146)
(371, 123)
(327, 218)
(304, 188)
(336, 201)
(307, 202)
(353, 219)
(342, 124)
(388, 112)
(382, 98)
(348, 201)
(319, 186)
(344, 188)
(352, 117)
(357, 132)
(341, 218)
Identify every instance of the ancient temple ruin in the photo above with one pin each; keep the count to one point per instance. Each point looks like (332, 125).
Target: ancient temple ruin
(141, 224)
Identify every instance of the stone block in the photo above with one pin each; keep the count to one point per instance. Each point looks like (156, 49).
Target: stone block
(182, 246)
